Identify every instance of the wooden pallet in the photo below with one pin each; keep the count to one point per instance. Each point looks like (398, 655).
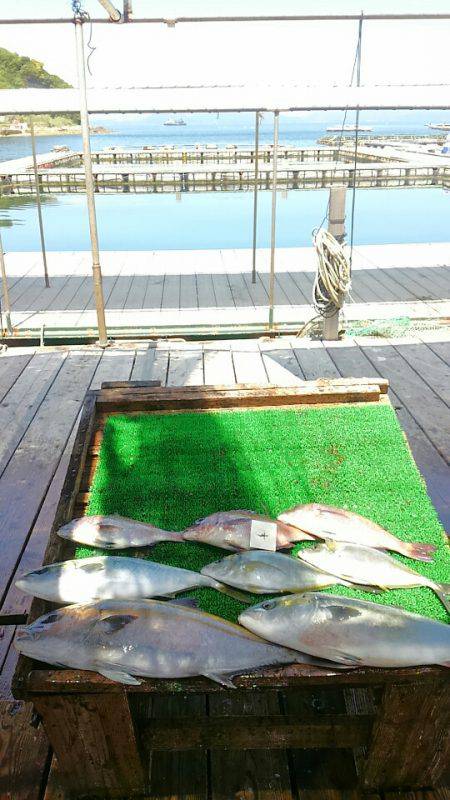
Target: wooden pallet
(102, 732)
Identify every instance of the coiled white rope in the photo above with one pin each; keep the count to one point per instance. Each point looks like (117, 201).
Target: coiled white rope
(333, 279)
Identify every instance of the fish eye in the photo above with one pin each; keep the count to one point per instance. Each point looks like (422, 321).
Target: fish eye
(268, 605)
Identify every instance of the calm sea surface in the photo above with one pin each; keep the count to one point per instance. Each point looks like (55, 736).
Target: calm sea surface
(214, 219)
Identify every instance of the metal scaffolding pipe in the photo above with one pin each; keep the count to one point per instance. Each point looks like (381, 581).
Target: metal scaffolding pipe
(255, 195)
(38, 202)
(259, 18)
(276, 120)
(113, 13)
(6, 301)
(355, 160)
(90, 197)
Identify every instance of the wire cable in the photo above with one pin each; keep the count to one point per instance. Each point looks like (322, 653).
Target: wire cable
(332, 281)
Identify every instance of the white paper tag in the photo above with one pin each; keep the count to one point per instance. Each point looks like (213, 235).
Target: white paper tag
(263, 535)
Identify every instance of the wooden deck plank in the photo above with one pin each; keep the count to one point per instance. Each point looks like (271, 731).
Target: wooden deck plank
(281, 366)
(441, 349)
(113, 365)
(29, 473)
(256, 290)
(143, 364)
(218, 367)
(239, 290)
(188, 292)
(222, 291)
(24, 753)
(11, 367)
(179, 775)
(205, 291)
(154, 292)
(315, 362)
(352, 362)
(429, 411)
(135, 297)
(429, 366)
(23, 400)
(249, 774)
(291, 289)
(171, 292)
(249, 367)
(185, 369)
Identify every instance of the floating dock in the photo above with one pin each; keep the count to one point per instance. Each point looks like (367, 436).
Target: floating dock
(229, 169)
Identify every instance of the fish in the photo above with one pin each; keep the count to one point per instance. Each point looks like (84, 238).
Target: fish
(337, 524)
(231, 530)
(115, 532)
(264, 572)
(349, 631)
(368, 567)
(127, 640)
(113, 577)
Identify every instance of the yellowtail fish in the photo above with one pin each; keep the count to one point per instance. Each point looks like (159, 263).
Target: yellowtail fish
(115, 532)
(368, 567)
(349, 631)
(113, 577)
(149, 638)
(231, 530)
(262, 572)
(337, 524)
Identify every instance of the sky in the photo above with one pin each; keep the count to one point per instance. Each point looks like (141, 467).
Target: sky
(310, 53)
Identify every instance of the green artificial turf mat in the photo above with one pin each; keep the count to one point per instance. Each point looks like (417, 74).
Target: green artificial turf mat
(172, 469)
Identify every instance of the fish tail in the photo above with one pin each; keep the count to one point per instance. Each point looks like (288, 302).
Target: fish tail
(420, 551)
(298, 535)
(228, 590)
(442, 592)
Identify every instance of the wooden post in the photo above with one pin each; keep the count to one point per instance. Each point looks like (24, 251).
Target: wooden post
(410, 743)
(94, 741)
(336, 226)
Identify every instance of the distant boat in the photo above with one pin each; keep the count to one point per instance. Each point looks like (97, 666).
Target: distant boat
(349, 128)
(175, 122)
(439, 126)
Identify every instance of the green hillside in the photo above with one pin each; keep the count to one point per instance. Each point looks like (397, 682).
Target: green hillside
(21, 72)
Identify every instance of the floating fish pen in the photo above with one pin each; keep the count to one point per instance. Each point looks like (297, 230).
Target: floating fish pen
(155, 179)
(167, 456)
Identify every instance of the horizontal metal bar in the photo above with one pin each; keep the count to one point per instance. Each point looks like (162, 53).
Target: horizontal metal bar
(260, 18)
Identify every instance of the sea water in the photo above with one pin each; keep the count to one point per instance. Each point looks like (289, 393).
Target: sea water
(213, 220)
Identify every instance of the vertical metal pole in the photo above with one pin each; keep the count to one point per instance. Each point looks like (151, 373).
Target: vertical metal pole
(336, 226)
(274, 212)
(255, 195)
(5, 289)
(38, 201)
(355, 161)
(96, 270)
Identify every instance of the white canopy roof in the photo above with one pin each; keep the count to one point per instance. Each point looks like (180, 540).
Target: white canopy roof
(179, 99)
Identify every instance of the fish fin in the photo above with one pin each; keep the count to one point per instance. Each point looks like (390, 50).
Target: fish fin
(119, 677)
(219, 677)
(323, 663)
(188, 602)
(116, 622)
(441, 594)
(345, 659)
(230, 592)
(360, 586)
(420, 551)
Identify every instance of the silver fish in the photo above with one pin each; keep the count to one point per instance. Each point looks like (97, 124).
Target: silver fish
(231, 530)
(349, 631)
(112, 577)
(263, 572)
(115, 532)
(368, 567)
(148, 638)
(337, 524)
